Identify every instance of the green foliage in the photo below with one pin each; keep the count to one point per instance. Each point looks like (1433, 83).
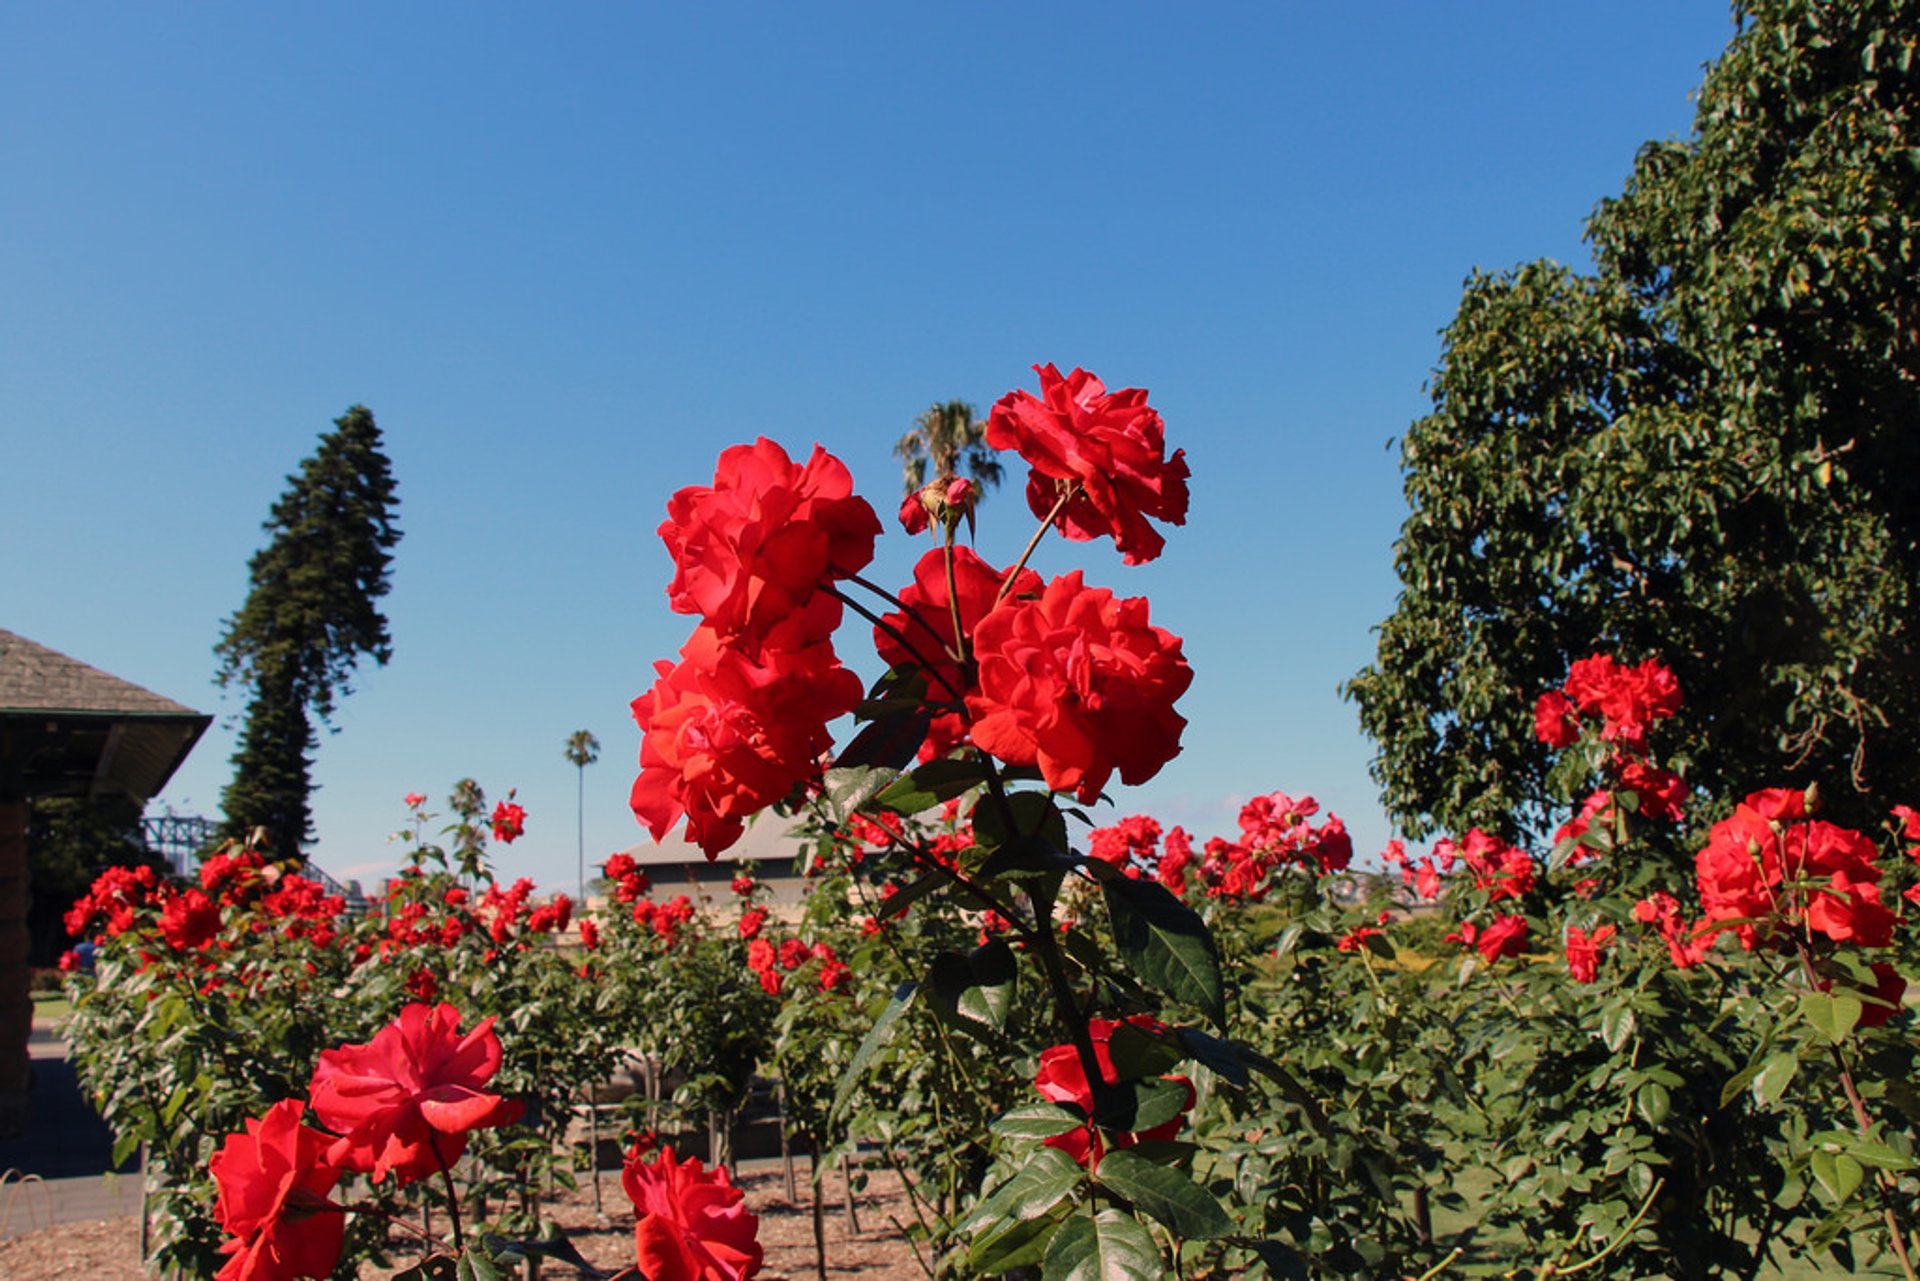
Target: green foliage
(1702, 450)
(310, 615)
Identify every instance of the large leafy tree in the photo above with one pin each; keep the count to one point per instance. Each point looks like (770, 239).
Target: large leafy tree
(311, 615)
(1707, 449)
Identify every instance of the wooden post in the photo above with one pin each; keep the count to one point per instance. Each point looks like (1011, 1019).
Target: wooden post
(16, 994)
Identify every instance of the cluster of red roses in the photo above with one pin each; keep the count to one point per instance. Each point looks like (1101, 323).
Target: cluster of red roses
(1059, 676)
(768, 961)
(1771, 875)
(509, 821)
(666, 920)
(1275, 834)
(629, 882)
(1628, 700)
(190, 919)
(399, 1107)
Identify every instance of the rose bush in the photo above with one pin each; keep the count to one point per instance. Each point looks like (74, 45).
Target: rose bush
(1659, 1033)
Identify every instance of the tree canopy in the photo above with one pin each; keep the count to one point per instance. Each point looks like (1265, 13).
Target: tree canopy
(1706, 449)
(310, 616)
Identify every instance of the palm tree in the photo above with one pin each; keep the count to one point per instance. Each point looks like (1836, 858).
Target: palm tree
(943, 436)
(583, 749)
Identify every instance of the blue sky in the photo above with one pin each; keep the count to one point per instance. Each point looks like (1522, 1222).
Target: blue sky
(566, 255)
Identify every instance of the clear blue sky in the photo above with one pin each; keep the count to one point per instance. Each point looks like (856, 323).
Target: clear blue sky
(567, 254)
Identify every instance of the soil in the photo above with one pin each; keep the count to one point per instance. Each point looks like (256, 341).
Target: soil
(108, 1250)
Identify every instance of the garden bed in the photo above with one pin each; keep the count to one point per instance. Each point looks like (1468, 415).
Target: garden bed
(109, 1250)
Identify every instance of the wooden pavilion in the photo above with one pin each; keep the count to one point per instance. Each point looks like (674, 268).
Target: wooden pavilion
(66, 729)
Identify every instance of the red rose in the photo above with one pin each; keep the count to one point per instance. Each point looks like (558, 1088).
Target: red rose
(509, 822)
(751, 553)
(921, 635)
(723, 737)
(1584, 949)
(1062, 1078)
(1628, 699)
(190, 921)
(693, 1225)
(1553, 720)
(1107, 450)
(1080, 684)
(1507, 936)
(406, 1100)
(273, 1182)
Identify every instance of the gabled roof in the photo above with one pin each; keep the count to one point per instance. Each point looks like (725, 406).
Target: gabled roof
(35, 678)
(68, 729)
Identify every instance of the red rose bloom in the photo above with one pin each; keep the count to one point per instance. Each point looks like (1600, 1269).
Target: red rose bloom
(693, 1225)
(723, 737)
(751, 553)
(509, 822)
(1553, 720)
(1108, 450)
(273, 1181)
(1080, 684)
(406, 1100)
(1584, 949)
(921, 636)
(190, 920)
(1062, 1078)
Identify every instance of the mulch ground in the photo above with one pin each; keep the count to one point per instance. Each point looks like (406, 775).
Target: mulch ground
(109, 1250)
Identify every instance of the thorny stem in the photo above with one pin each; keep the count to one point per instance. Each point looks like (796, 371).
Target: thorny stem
(958, 650)
(913, 615)
(1066, 1002)
(1619, 1238)
(898, 635)
(1439, 1267)
(453, 1195)
(1060, 505)
(1896, 1235)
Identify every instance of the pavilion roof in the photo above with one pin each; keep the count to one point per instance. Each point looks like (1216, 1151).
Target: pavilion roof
(70, 729)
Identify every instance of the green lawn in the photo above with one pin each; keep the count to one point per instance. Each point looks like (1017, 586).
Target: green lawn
(50, 1005)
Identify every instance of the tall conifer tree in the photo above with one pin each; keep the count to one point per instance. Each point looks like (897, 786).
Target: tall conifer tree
(310, 616)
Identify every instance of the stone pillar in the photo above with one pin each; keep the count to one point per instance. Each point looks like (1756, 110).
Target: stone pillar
(16, 996)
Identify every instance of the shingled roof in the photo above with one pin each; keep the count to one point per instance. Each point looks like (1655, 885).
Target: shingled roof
(69, 729)
(37, 679)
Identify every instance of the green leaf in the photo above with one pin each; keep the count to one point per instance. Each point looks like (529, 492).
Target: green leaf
(477, 1265)
(1133, 1106)
(973, 992)
(1166, 944)
(870, 1044)
(1617, 1023)
(1224, 1057)
(934, 783)
(1771, 1082)
(849, 786)
(1137, 1052)
(1837, 1173)
(1832, 1015)
(1188, 1210)
(1036, 1121)
(1011, 1243)
(1046, 1179)
(1109, 1246)
(1653, 1102)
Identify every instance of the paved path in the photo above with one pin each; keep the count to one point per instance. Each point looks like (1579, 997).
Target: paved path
(58, 1171)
